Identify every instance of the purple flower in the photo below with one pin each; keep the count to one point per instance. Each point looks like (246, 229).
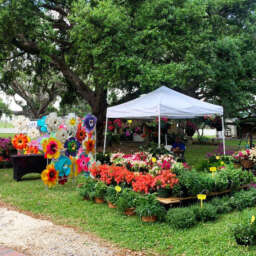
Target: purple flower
(127, 133)
(90, 122)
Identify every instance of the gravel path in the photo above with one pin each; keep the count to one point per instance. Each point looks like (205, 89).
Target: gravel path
(38, 237)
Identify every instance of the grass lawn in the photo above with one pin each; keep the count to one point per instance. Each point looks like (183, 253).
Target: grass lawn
(64, 206)
(5, 125)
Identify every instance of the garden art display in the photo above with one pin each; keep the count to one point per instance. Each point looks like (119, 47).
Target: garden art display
(68, 144)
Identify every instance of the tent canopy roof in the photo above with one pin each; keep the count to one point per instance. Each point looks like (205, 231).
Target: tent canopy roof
(166, 103)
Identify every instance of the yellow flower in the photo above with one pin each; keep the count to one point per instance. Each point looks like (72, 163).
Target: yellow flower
(153, 159)
(129, 121)
(201, 196)
(213, 169)
(252, 219)
(217, 157)
(118, 189)
(222, 163)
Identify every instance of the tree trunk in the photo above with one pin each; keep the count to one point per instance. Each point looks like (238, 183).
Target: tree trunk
(99, 109)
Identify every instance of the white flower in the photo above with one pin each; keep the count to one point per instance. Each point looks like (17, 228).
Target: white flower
(72, 121)
(21, 123)
(33, 133)
(53, 122)
(62, 135)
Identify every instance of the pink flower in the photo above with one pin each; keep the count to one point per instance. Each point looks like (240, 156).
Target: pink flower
(82, 163)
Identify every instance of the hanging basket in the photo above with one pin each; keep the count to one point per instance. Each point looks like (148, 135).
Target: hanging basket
(247, 164)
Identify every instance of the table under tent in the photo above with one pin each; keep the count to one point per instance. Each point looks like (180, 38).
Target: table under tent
(164, 102)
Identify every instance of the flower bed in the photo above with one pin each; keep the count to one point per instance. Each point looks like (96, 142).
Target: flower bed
(143, 162)
(180, 182)
(6, 150)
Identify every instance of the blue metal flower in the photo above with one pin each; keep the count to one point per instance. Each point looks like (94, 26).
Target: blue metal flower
(63, 165)
(90, 122)
(42, 125)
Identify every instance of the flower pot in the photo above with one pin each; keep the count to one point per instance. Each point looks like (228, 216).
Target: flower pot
(149, 218)
(86, 198)
(237, 165)
(247, 164)
(80, 185)
(99, 200)
(110, 205)
(130, 211)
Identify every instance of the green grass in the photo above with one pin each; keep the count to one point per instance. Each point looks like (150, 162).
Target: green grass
(5, 125)
(196, 153)
(6, 135)
(64, 206)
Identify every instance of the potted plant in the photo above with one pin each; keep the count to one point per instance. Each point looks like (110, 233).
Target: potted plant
(127, 202)
(112, 195)
(87, 188)
(149, 208)
(99, 192)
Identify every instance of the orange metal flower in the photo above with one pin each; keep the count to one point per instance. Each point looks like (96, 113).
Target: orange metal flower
(20, 141)
(89, 146)
(81, 133)
(31, 150)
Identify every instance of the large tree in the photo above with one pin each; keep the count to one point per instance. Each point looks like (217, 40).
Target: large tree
(37, 84)
(203, 48)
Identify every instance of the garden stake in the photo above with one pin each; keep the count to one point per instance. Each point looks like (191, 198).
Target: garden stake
(201, 197)
(213, 170)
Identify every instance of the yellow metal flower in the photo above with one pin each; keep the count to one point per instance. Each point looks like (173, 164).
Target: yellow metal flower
(153, 159)
(50, 176)
(129, 121)
(51, 148)
(213, 169)
(217, 157)
(72, 121)
(118, 189)
(252, 219)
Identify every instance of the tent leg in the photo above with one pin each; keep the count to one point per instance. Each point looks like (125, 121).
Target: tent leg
(105, 136)
(223, 135)
(159, 131)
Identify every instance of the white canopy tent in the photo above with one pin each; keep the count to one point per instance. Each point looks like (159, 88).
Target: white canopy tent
(164, 102)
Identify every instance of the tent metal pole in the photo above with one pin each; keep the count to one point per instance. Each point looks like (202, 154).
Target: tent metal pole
(159, 128)
(223, 135)
(105, 135)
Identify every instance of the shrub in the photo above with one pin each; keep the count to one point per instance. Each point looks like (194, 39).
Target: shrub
(87, 188)
(207, 213)
(243, 199)
(99, 190)
(181, 217)
(148, 205)
(222, 205)
(127, 199)
(112, 195)
(245, 233)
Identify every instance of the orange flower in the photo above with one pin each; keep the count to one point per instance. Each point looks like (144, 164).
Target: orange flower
(20, 141)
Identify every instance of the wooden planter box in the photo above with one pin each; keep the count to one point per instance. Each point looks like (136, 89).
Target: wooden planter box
(175, 200)
(24, 164)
